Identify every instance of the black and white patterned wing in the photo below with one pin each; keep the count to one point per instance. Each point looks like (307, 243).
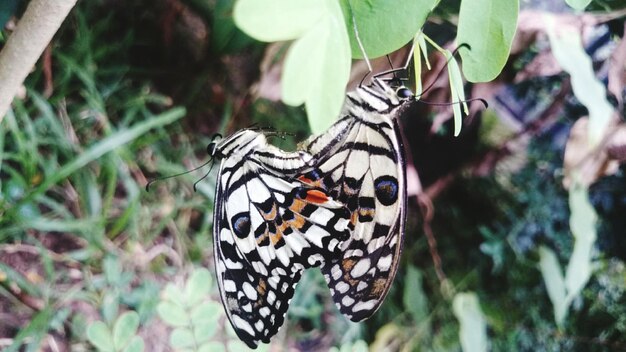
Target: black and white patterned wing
(267, 229)
(360, 160)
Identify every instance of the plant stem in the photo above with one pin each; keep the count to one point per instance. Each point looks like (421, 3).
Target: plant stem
(34, 31)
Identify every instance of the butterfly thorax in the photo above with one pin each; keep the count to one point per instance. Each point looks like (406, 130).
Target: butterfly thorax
(239, 144)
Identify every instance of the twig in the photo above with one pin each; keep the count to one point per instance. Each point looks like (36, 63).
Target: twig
(33, 33)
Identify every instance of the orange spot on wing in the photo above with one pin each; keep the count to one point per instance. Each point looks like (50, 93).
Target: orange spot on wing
(305, 179)
(315, 196)
(275, 237)
(297, 206)
(298, 221)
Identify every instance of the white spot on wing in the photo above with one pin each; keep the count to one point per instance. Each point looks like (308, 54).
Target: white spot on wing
(361, 267)
(278, 272)
(232, 265)
(364, 305)
(347, 301)
(264, 312)
(229, 286)
(259, 325)
(342, 287)
(384, 263)
(315, 259)
(353, 253)
(336, 272)
(249, 291)
(362, 286)
(259, 268)
(271, 296)
(321, 216)
(242, 324)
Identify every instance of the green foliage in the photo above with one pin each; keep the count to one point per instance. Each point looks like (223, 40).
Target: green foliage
(578, 4)
(383, 27)
(563, 290)
(121, 338)
(193, 316)
(414, 299)
(488, 27)
(568, 50)
(473, 327)
(317, 65)
(357, 346)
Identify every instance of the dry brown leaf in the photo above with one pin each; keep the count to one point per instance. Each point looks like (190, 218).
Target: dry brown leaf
(590, 165)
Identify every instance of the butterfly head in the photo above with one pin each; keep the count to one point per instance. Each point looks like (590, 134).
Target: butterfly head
(404, 93)
(212, 150)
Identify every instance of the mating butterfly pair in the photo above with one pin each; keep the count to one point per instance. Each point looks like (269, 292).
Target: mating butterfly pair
(337, 203)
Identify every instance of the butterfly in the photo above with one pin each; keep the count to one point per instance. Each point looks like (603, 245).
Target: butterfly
(359, 161)
(268, 227)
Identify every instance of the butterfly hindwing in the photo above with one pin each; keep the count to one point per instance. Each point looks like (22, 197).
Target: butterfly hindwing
(268, 228)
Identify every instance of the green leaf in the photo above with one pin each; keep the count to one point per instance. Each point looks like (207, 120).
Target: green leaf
(578, 4)
(488, 27)
(172, 314)
(237, 346)
(583, 220)
(136, 344)
(181, 338)
(473, 327)
(383, 26)
(457, 92)
(206, 312)
(277, 20)
(203, 332)
(421, 51)
(198, 286)
(212, 347)
(174, 294)
(415, 301)
(112, 269)
(99, 335)
(110, 306)
(125, 327)
(317, 68)
(553, 279)
(568, 50)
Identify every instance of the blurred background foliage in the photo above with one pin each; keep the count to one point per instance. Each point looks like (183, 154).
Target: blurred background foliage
(131, 90)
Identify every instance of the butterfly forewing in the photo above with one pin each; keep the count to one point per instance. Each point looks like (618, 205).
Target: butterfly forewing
(360, 161)
(268, 227)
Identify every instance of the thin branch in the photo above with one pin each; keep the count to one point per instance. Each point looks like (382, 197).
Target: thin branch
(31, 36)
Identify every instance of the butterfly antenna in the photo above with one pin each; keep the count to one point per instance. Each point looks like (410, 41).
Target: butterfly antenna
(176, 175)
(393, 70)
(203, 177)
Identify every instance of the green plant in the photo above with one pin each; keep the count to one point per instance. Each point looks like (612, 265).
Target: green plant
(121, 338)
(329, 33)
(193, 316)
